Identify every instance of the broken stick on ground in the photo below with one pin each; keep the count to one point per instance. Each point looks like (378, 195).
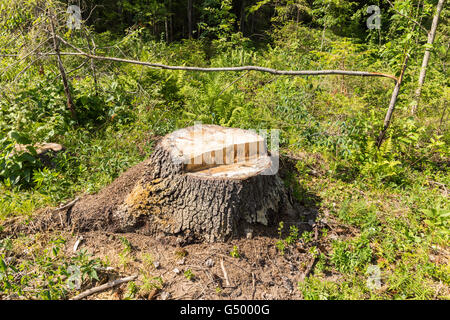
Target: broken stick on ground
(103, 287)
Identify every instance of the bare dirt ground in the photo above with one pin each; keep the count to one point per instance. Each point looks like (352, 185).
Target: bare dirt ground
(260, 271)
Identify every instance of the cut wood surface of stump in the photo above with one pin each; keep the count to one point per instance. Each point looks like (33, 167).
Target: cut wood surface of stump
(206, 182)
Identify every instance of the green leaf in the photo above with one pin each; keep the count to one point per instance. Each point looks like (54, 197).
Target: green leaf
(19, 138)
(2, 265)
(31, 150)
(93, 274)
(26, 157)
(445, 214)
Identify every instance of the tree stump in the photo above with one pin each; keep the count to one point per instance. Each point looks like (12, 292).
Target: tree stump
(210, 181)
(206, 183)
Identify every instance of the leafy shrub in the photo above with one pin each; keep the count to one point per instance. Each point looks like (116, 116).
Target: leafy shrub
(351, 256)
(16, 167)
(48, 274)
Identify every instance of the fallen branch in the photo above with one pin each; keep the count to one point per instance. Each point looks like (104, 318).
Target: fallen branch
(243, 68)
(69, 205)
(103, 287)
(220, 69)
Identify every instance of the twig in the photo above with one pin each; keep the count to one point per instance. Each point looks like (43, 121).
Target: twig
(61, 220)
(77, 243)
(77, 68)
(225, 274)
(439, 185)
(72, 70)
(230, 261)
(69, 205)
(90, 13)
(253, 286)
(25, 56)
(236, 80)
(25, 69)
(104, 287)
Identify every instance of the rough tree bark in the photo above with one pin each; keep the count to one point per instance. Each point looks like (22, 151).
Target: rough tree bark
(205, 187)
(426, 57)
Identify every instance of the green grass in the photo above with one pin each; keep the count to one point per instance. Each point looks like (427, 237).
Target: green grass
(35, 268)
(393, 233)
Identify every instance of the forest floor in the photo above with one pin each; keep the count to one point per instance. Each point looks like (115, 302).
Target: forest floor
(325, 258)
(254, 267)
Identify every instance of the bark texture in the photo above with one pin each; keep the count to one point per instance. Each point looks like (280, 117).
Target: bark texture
(159, 196)
(169, 200)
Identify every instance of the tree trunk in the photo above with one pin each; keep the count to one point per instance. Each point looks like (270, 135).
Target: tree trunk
(62, 71)
(189, 14)
(242, 18)
(166, 26)
(208, 183)
(426, 57)
(170, 22)
(387, 119)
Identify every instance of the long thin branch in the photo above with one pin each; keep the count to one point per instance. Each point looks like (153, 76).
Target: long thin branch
(243, 68)
(62, 71)
(24, 57)
(236, 80)
(25, 69)
(395, 92)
